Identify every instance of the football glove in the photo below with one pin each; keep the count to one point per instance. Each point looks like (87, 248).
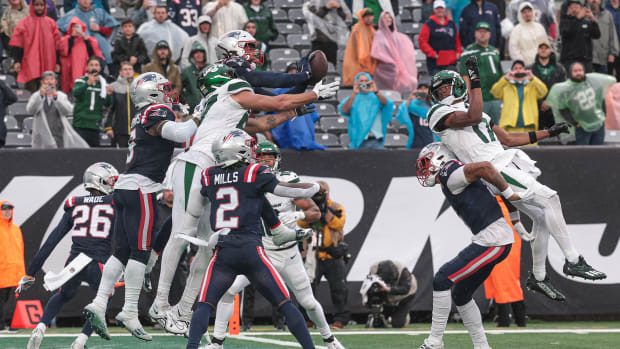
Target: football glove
(523, 233)
(472, 68)
(556, 129)
(325, 91)
(304, 109)
(303, 65)
(24, 284)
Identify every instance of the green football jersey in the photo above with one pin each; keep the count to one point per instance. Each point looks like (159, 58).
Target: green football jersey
(489, 65)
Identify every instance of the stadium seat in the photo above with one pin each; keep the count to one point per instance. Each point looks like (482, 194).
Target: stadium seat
(327, 139)
(11, 123)
(18, 109)
(288, 3)
(344, 93)
(331, 77)
(394, 96)
(296, 15)
(305, 29)
(279, 15)
(298, 41)
(331, 68)
(410, 28)
(506, 65)
(549, 141)
(345, 140)
(612, 137)
(278, 42)
(405, 16)
(334, 124)
(288, 28)
(324, 109)
(422, 67)
(409, 4)
(18, 139)
(9, 80)
(393, 140)
(394, 126)
(117, 13)
(105, 140)
(419, 55)
(416, 41)
(27, 124)
(280, 65)
(283, 54)
(22, 95)
(416, 13)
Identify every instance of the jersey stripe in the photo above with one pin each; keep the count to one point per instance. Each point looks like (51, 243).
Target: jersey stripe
(207, 277)
(145, 114)
(250, 173)
(272, 270)
(205, 177)
(487, 257)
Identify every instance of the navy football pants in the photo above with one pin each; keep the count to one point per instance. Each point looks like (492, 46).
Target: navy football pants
(135, 214)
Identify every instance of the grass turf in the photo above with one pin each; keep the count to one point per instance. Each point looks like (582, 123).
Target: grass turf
(396, 339)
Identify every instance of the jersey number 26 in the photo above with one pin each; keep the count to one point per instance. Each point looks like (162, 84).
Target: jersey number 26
(94, 221)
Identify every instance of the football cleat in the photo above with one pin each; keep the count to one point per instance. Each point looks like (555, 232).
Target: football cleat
(96, 317)
(132, 324)
(77, 344)
(583, 270)
(333, 343)
(35, 339)
(545, 287)
(158, 315)
(429, 345)
(212, 346)
(177, 323)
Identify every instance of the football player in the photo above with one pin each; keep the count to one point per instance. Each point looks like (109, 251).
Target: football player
(458, 279)
(151, 143)
(89, 219)
(472, 136)
(285, 258)
(236, 187)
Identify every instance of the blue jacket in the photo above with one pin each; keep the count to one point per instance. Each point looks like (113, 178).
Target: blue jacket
(470, 17)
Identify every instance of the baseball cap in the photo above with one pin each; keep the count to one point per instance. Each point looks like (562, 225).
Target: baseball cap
(544, 42)
(439, 3)
(483, 25)
(6, 205)
(162, 43)
(574, 1)
(203, 19)
(517, 61)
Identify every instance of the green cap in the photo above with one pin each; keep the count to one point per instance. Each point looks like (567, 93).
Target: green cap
(483, 25)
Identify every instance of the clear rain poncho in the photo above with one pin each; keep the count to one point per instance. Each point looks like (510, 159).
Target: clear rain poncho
(332, 25)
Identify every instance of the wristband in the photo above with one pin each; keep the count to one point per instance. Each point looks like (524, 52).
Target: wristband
(475, 84)
(508, 193)
(533, 138)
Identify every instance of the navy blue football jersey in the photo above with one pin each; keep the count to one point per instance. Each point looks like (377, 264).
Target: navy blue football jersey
(149, 155)
(90, 220)
(476, 206)
(184, 13)
(237, 198)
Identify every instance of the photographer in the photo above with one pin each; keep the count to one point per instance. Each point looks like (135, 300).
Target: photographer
(331, 252)
(369, 112)
(389, 290)
(91, 93)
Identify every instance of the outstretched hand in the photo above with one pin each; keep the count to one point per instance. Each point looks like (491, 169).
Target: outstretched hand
(558, 128)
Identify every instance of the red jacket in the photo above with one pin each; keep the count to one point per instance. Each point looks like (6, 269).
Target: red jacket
(73, 62)
(12, 266)
(440, 39)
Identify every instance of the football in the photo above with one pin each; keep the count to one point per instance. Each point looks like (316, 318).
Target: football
(318, 65)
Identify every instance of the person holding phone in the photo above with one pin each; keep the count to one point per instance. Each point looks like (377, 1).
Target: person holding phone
(519, 90)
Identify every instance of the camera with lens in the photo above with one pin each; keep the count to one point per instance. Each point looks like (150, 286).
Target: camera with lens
(374, 296)
(363, 86)
(320, 199)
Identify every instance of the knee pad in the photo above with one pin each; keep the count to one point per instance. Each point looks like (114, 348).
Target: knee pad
(441, 282)
(140, 256)
(122, 255)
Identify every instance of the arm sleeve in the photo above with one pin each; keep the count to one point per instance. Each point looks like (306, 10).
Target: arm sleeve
(337, 223)
(266, 181)
(595, 31)
(105, 31)
(497, 90)
(9, 96)
(268, 215)
(541, 88)
(79, 88)
(258, 78)
(423, 41)
(118, 54)
(456, 181)
(178, 132)
(404, 284)
(289, 192)
(54, 238)
(34, 103)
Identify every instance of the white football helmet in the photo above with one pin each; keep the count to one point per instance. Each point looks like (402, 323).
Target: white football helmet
(234, 147)
(429, 162)
(149, 88)
(100, 176)
(239, 43)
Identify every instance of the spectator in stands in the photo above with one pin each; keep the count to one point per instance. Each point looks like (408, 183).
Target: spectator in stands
(606, 48)
(297, 133)
(543, 14)
(377, 7)
(328, 25)
(526, 35)
(121, 111)
(578, 28)
(400, 286)
(7, 97)
(439, 40)
(75, 49)
(12, 265)
(16, 11)
(250, 27)
(427, 10)
(161, 28)
(189, 76)
(129, 47)
(519, 90)
(395, 55)
(69, 5)
(488, 58)
(369, 112)
(480, 11)
(227, 15)
(261, 16)
(549, 71)
(50, 108)
(417, 106)
(144, 13)
(206, 40)
(34, 43)
(51, 9)
(184, 14)
(163, 64)
(357, 56)
(91, 94)
(613, 6)
(331, 253)
(100, 25)
(566, 99)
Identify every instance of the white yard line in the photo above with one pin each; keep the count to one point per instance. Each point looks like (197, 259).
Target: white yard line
(271, 341)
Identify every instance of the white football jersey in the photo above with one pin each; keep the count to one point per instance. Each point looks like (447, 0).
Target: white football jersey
(284, 207)
(470, 144)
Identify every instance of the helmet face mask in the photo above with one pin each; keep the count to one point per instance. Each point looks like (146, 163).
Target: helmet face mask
(151, 88)
(432, 157)
(458, 88)
(268, 148)
(100, 176)
(239, 43)
(170, 95)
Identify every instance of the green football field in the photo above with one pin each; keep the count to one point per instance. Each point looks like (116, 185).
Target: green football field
(564, 335)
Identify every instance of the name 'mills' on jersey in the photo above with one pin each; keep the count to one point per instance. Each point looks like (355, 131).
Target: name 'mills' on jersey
(148, 155)
(470, 144)
(237, 198)
(90, 220)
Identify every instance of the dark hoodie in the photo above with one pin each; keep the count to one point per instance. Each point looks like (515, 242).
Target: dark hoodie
(121, 111)
(125, 48)
(189, 76)
(172, 71)
(550, 74)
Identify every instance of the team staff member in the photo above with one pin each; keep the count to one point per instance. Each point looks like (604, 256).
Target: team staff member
(12, 265)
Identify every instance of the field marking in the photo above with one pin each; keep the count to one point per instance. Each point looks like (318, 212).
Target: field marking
(271, 341)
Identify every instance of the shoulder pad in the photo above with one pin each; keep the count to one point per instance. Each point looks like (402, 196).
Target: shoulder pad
(70, 203)
(235, 86)
(156, 112)
(288, 177)
(436, 113)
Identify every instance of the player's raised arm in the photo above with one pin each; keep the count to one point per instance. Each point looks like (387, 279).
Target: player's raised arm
(473, 115)
(250, 100)
(296, 190)
(268, 122)
(485, 170)
(513, 139)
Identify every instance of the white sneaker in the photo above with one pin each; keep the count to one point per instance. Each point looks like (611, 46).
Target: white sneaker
(96, 317)
(131, 323)
(429, 345)
(158, 315)
(212, 346)
(77, 344)
(35, 339)
(177, 323)
(334, 344)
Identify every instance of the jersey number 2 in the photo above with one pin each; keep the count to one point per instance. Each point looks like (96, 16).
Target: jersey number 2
(233, 202)
(90, 221)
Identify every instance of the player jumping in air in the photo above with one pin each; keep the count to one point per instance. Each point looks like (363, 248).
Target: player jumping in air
(471, 135)
(286, 257)
(236, 188)
(89, 219)
(492, 237)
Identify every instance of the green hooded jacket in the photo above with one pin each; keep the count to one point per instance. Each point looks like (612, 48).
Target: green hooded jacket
(189, 76)
(265, 27)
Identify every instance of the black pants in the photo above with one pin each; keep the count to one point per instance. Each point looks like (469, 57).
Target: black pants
(330, 49)
(335, 273)
(89, 135)
(7, 306)
(400, 311)
(120, 141)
